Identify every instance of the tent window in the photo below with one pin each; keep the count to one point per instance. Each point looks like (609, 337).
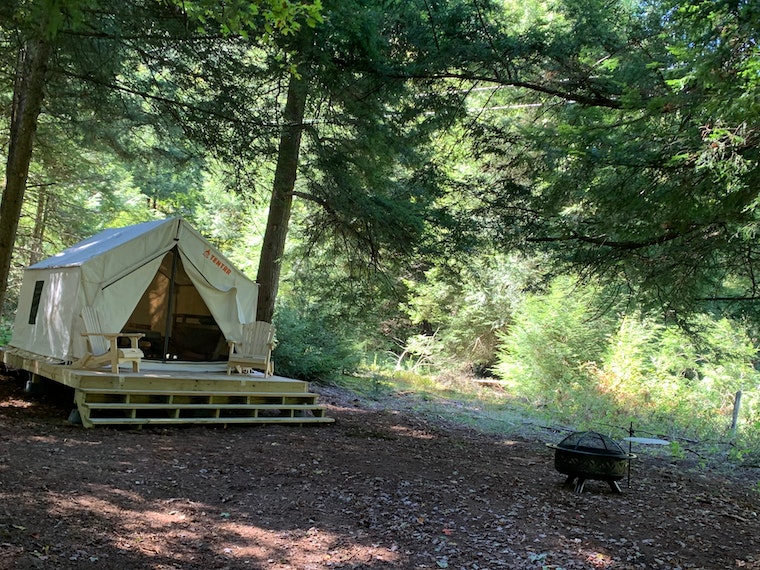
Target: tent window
(35, 302)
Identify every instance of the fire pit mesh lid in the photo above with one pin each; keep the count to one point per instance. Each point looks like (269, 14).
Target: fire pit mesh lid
(591, 441)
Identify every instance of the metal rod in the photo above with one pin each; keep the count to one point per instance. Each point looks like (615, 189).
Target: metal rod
(630, 447)
(170, 303)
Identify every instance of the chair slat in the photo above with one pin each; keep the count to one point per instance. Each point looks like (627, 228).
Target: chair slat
(254, 350)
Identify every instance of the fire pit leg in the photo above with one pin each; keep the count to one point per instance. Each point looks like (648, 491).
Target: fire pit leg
(615, 487)
(579, 485)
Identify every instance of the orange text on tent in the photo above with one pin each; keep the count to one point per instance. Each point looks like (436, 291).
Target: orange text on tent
(218, 262)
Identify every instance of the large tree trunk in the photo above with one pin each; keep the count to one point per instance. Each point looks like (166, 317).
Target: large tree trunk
(40, 222)
(27, 102)
(282, 199)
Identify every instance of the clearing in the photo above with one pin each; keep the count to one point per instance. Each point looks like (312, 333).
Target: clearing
(384, 487)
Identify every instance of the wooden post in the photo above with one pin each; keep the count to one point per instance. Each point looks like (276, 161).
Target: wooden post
(630, 447)
(737, 406)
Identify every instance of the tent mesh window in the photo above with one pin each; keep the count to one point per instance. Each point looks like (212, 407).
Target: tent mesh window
(37, 295)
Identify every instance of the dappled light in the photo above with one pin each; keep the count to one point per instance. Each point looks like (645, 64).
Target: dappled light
(411, 432)
(183, 526)
(474, 226)
(16, 403)
(378, 489)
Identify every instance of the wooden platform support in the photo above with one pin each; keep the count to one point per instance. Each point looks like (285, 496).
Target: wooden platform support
(179, 394)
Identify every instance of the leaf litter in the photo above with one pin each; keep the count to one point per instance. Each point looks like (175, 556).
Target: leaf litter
(384, 487)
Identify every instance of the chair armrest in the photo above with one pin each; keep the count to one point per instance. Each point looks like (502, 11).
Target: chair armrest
(133, 338)
(112, 337)
(231, 345)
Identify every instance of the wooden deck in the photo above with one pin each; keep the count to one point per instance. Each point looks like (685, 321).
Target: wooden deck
(177, 393)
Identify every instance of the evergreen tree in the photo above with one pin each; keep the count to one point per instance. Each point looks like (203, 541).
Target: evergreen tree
(638, 159)
(103, 61)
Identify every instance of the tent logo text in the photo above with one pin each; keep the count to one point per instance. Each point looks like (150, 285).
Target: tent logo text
(216, 261)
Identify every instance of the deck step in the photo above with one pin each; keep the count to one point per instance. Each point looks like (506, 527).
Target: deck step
(103, 406)
(165, 421)
(134, 406)
(176, 395)
(199, 397)
(203, 392)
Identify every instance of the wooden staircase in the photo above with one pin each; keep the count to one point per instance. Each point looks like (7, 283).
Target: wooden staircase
(115, 406)
(139, 401)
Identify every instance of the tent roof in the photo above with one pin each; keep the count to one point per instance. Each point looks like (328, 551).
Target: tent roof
(98, 244)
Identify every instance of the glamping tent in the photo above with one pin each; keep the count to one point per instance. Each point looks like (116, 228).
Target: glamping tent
(159, 278)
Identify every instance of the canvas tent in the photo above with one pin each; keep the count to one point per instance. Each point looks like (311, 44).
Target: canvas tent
(161, 278)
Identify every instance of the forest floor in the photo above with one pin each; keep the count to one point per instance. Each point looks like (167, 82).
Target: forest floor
(385, 486)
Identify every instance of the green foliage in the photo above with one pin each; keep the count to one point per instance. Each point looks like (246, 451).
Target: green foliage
(462, 305)
(310, 346)
(587, 368)
(676, 450)
(261, 17)
(553, 341)
(646, 178)
(6, 331)
(685, 381)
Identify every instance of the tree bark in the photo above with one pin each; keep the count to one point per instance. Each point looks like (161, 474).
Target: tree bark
(40, 222)
(281, 202)
(28, 92)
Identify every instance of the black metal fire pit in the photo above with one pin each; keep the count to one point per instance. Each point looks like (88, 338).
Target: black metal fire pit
(586, 455)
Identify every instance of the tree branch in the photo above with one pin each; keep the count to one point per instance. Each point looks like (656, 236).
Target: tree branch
(596, 100)
(165, 100)
(607, 242)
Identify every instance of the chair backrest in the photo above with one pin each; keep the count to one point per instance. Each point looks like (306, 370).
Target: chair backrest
(98, 344)
(258, 338)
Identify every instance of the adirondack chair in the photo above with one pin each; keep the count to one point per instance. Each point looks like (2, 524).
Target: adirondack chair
(104, 347)
(254, 350)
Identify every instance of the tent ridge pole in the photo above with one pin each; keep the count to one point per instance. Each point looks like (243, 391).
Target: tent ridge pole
(170, 304)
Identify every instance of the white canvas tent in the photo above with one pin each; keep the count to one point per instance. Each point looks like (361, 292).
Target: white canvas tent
(161, 278)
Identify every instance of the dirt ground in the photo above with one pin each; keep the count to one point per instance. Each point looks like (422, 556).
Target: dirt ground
(380, 488)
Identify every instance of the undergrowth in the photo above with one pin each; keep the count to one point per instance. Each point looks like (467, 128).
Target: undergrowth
(488, 406)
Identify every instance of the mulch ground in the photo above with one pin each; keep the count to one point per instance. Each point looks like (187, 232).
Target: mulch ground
(378, 489)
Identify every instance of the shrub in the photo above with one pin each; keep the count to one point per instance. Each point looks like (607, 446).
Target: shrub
(667, 379)
(683, 381)
(310, 345)
(6, 331)
(547, 351)
(465, 304)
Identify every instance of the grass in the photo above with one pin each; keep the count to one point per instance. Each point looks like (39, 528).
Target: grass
(457, 398)
(464, 400)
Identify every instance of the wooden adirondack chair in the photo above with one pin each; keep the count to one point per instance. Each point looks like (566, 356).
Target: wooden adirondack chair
(104, 347)
(254, 350)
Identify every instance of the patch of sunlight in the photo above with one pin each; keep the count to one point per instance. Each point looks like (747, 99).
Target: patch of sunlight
(403, 430)
(13, 403)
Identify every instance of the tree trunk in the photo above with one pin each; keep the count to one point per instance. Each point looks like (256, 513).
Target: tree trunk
(28, 92)
(282, 198)
(40, 222)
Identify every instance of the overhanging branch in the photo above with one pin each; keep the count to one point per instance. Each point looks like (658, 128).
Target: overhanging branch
(589, 100)
(610, 243)
(173, 103)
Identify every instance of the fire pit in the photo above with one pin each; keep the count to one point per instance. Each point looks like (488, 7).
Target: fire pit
(586, 455)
